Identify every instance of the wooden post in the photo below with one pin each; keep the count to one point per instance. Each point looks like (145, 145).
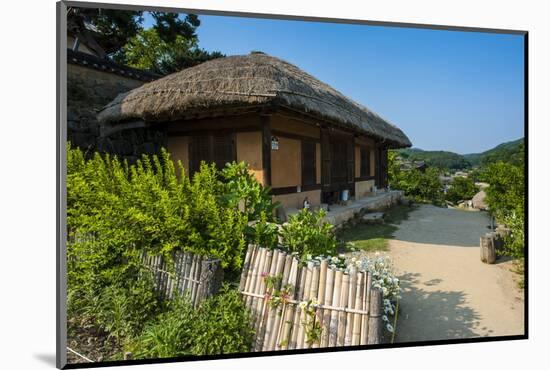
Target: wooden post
(487, 248)
(375, 317)
(265, 123)
(210, 279)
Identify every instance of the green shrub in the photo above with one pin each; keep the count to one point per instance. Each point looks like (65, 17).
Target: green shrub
(220, 325)
(307, 234)
(421, 186)
(461, 189)
(263, 232)
(116, 212)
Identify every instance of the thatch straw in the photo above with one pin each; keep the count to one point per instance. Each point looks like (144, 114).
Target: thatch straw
(246, 82)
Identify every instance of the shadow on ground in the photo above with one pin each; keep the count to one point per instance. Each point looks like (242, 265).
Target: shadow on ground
(426, 315)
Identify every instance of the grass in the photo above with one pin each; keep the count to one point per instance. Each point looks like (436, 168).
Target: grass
(373, 237)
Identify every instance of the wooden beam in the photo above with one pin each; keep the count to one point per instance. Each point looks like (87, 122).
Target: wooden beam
(265, 125)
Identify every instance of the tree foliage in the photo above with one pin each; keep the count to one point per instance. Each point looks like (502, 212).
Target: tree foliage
(422, 186)
(169, 45)
(506, 201)
(307, 234)
(462, 188)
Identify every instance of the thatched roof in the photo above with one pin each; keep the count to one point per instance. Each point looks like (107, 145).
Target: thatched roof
(254, 80)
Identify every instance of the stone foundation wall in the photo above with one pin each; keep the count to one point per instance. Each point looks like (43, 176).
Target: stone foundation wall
(88, 91)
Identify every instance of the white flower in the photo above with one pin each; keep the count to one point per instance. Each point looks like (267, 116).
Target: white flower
(384, 318)
(353, 260)
(386, 302)
(342, 256)
(389, 327)
(358, 263)
(334, 259)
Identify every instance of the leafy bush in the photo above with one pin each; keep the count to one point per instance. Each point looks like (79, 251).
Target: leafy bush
(307, 234)
(116, 212)
(220, 325)
(264, 233)
(242, 189)
(422, 186)
(461, 189)
(506, 200)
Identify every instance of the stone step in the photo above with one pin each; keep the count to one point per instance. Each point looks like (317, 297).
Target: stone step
(373, 217)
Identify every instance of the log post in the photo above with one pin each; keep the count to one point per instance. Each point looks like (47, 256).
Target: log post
(210, 279)
(375, 317)
(487, 246)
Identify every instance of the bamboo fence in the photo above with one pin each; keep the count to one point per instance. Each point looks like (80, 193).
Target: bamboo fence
(197, 276)
(348, 312)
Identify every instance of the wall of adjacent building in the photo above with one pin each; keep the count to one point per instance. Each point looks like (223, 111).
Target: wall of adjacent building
(88, 91)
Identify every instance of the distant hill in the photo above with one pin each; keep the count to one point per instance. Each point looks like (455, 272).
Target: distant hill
(441, 159)
(512, 152)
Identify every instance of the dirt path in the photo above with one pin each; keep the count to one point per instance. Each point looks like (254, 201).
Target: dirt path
(447, 292)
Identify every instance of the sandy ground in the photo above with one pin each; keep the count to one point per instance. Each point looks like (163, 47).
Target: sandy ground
(448, 292)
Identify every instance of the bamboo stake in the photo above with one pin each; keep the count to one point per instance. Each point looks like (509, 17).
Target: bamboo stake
(301, 330)
(196, 277)
(266, 318)
(333, 329)
(188, 266)
(251, 275)
(261, 304)
(366, 303)
(246, 267)
(329, 288)
(283, 339)
(297, 311)
(256, 284)
(356, 335)
(281, 309)
(275, 313)
(314, 293)
(351, 304)
(342, 316)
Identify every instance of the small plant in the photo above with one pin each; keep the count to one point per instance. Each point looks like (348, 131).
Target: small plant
(220, 325)
(312, 325)
(307, 234)
(263, 232)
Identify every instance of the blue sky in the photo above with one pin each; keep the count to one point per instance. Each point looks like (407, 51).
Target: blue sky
(447, 90)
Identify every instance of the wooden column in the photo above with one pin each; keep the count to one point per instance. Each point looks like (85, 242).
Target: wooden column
(265, 124)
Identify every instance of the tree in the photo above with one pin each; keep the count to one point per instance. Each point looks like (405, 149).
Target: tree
(423, 186)
(506, 200)
(461, 189)
(148, 50)
(171, 44)
(103, 30)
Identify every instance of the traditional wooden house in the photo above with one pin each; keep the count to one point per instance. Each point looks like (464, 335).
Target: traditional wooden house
(300, 136)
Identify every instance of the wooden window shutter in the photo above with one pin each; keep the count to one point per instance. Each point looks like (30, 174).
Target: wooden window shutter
(223, 150)
(325, 158)
(199, 150)
(365, 162)
(350, 158)
(308, 162)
